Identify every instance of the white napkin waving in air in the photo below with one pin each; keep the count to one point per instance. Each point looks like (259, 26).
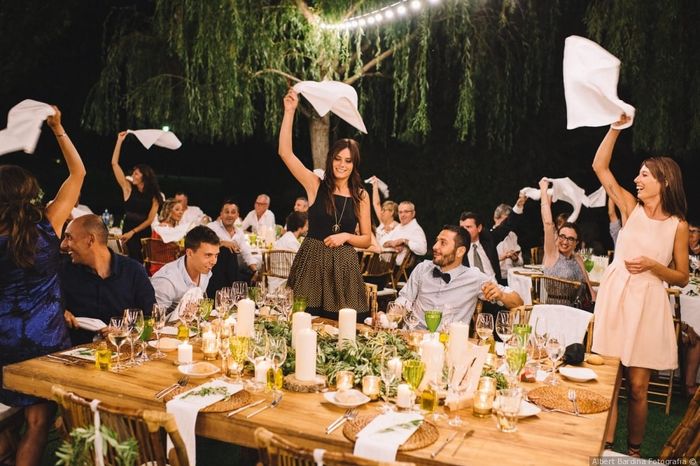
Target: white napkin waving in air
(24, 122)
(333, 96)
(563, 189)
(591, 74)
(382, 186)
(149, 137)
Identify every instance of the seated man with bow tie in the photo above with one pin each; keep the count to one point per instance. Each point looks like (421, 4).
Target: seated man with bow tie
(445, 284)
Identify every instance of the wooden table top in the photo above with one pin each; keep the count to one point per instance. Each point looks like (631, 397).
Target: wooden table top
(548, 438)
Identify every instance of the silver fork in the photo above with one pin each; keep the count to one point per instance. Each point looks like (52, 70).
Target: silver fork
(571, 395)
(352, 415)
(182, 381)
(274, 403)
(347, 413)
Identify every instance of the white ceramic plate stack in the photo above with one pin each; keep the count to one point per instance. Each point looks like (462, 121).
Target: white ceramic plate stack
(578, 374)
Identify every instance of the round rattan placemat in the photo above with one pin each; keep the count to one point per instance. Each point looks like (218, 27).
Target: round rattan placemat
(234, 401)
(425, 435)
(555, 397)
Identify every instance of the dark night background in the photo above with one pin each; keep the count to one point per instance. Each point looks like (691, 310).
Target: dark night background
(54, 55)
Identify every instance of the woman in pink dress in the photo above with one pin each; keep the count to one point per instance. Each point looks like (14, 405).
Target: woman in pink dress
(633, 318)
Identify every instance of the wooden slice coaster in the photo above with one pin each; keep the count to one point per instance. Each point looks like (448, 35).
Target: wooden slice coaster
(425, 435)
(235, 401)
(293, 384)
(555, 397)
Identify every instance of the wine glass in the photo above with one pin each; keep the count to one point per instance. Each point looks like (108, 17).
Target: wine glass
(389, 371)
(694, 263)
(555, 350)
(240, 291)
(239, 352)
(411, 320)
(504, 326)
(187, 313)
(484, 326)
(133, 319)
(413, 372)
(285, 299)
(278, 354)
(222, 301)
(432, 319)
(158, 315)
(118, 333)
(454, 387)
(394, 314)
(540, 335)
(516, 357)
(258, 351)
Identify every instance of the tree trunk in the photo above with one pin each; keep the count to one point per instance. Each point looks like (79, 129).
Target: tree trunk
(320, 134)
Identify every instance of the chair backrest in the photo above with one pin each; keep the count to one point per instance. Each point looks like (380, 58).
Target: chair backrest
(401, 271)
(547, 289)
(536, 254)
(156, 252)
(684, 442)
(277, 263)
(147, 427)
(372, 302)
(380, 266)
(274, 450)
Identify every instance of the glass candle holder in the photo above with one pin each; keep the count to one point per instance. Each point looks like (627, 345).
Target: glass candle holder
(483, 403)
(370, 386)
(415, 339)
(487, 384)
(344, 380)
(210, 347)
(491, 360)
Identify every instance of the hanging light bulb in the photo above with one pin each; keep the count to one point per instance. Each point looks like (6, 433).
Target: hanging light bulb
(401, 10)
(415, 5)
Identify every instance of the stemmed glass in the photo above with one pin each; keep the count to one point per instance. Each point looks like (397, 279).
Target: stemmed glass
(484, 326)
(239, 352)
(694, 263)
(158, 315)
(133, 319)
(394, 314)
(390, 371)
(258, 351)
(118, 333)
(205, 307)
(454, 387)
(413, 372)
(223, 302)
(240, 291)
(433, 318)
(504, 326)
(278, 354)
(516, 357)
(411, 320)
(555, 350)
(540, 336)
(285, 299)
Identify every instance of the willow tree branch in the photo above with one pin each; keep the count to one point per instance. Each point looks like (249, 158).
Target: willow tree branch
(275, 71)
(379, 58)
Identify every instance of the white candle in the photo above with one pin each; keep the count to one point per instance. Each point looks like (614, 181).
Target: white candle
(403, 395)
(433, 355)
(261, 370)
(347, 324)
(209, 344)
(396, 366)
(246, 318)
(306, 355)
(184, 353)
(459, 337)
(300, 321)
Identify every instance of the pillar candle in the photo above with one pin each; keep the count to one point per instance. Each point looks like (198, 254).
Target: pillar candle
(306, 355)
(396, 366)
(209, 347)
(403, 396)
(459, 337)
(433, 355)
(347, 324)
(245, 327)
(184, 353)
(300, 321)
(261, 370)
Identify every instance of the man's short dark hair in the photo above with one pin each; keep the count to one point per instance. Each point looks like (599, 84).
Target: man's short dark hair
(694, 221)
(473, 215)
(461, 236)
(229, 201)
(93, 224)
(301, 198)
(200, 234)
(296, 220)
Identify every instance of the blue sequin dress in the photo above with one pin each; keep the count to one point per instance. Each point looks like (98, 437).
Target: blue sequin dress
(31, 312)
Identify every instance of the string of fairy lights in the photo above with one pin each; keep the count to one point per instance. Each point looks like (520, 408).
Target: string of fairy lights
(396, 10)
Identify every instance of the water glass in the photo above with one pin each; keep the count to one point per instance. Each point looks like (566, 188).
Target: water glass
(507, 407)
(118, 334)
(484, 326)
(158, 315)
(504, 325)
(555, 350)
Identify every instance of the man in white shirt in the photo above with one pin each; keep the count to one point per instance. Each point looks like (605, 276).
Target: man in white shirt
(408, 235)
(193, 269)
(301, 204)
(298, 225)
(445, 284)
(260, 215)
(191, 213)
(233, 238)
(509, 252)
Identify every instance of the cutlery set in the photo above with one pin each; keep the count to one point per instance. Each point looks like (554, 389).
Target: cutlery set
(182, 382)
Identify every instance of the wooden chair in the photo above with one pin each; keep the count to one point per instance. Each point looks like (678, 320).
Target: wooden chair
(11, 420)
(147, 427)
(521, 314)
(554, 290)
(274, 450)
(536, 255)
(277, 264)
(684, 442)
(379, 269)
(372, 302)
(156, 252)
(478, 308)
(401, 271)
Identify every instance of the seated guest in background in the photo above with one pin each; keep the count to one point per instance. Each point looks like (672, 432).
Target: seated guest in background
(171, 214)
(261, 215)
(509, 252)
(79, 210)
(445, 284)
(96, 282)
(190, 213)
(297, 226)
(408, 236)
(615, 222)
(192, 269)
(233, 238)
(693, 236)
(387, 213)
(301, 204)
(170, 217)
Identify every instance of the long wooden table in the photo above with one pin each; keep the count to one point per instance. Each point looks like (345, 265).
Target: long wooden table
(549, 438)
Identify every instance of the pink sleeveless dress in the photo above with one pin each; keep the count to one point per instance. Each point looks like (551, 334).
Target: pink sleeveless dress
(633, 318)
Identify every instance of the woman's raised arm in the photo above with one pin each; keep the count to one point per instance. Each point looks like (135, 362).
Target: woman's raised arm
(117, 169)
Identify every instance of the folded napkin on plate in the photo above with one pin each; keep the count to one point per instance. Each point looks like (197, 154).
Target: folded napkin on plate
(333, 96)
(159, 137)
(381, 438)
(563, 189)
(185, 407)
(24, 122)
(88, 323)
(590, 85)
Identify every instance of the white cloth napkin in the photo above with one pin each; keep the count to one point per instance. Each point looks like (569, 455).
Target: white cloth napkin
(170, 234)
(185, 411)
(88, 323)
(567, 323)
(24, 122)
(333, 96)
(149, 137)
(193, 294)
(381, 438)
(382, 186)
(566, 190)
(590, 85)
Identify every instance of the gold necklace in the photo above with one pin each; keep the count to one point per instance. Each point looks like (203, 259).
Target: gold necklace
(336, 227)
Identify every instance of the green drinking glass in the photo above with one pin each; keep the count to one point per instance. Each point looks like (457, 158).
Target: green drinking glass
(432, 319)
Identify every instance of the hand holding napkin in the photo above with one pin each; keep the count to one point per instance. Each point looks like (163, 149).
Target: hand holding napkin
(333, 96)
(24, 122)
(566, 190)
(159, 137)
(381, 438)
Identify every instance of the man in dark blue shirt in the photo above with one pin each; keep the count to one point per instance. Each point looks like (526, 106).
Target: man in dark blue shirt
(96, 282)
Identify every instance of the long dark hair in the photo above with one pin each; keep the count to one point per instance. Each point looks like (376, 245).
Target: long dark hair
(354, 182)
(20, 210)
(150, 182)
(668, 174)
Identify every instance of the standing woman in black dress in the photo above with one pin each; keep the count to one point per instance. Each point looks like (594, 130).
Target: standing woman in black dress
(142, 200)
(326, 269)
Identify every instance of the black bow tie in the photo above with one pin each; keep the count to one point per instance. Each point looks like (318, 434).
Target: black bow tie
(438, 274)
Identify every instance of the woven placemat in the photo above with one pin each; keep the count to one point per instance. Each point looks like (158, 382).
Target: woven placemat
(234, 401)
(123, 356)
(425, 435)
(555, 397)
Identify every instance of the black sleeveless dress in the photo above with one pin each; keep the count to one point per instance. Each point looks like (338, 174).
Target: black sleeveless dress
(137, 207)
(329, 278)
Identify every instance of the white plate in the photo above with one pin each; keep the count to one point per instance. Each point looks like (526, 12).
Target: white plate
(578, 374)
(166, 344)
(361, 399)
(198, 369)
(170, 330)
(528, 409)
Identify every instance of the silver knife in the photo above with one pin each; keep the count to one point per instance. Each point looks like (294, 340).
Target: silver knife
(466, 436)
(336, 425)
(437, 452)
(244, 407)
